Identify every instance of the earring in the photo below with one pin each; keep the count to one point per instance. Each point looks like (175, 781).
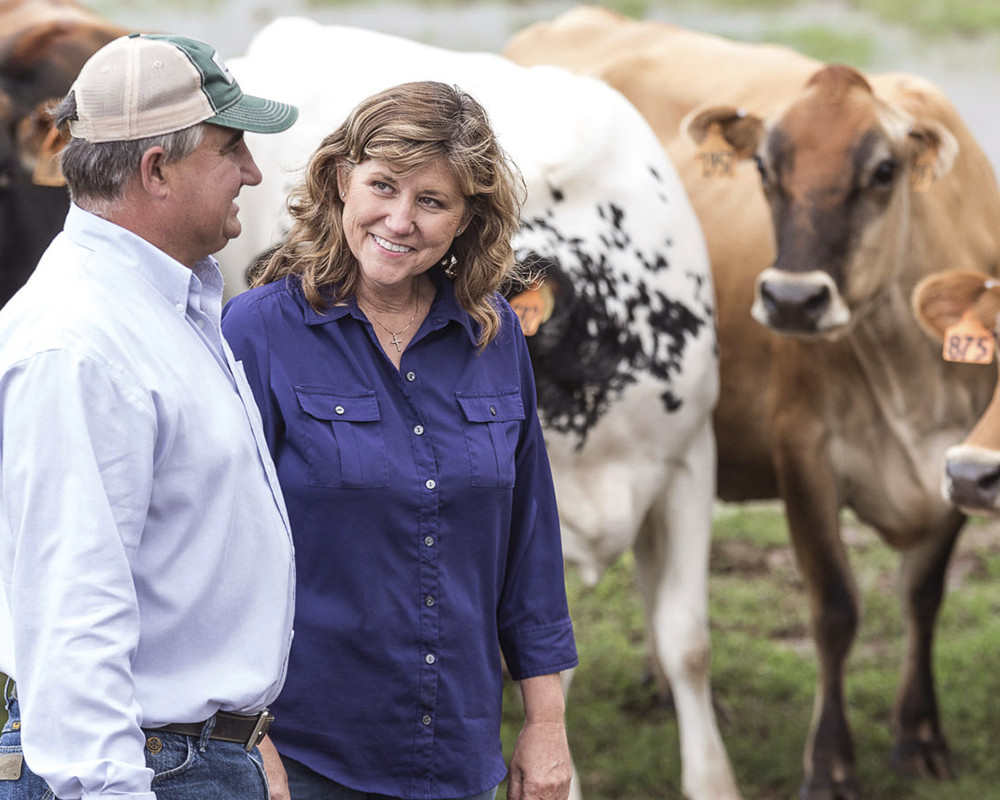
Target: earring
(343, 194)
(458, 231)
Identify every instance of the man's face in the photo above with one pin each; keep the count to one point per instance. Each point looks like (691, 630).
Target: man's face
(204, 190)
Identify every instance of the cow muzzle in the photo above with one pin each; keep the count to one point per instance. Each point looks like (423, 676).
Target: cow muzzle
(799, 304)
(972, 479)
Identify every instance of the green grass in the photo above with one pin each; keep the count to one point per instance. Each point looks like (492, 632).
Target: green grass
(625, 740)
(936, 17)
(856, 49)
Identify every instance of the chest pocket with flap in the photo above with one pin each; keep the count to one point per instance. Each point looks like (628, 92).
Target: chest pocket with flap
(343, 438)
(492, 426)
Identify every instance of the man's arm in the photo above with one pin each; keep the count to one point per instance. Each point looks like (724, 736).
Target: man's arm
(75, 478)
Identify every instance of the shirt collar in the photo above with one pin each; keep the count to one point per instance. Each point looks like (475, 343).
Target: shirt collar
(444, 309)
(135, 255)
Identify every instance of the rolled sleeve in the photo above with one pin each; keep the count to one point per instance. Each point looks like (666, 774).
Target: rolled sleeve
(536, 634)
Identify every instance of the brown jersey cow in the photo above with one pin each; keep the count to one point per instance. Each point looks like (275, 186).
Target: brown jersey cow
(43, 44)
(832, 396)
(962, 309)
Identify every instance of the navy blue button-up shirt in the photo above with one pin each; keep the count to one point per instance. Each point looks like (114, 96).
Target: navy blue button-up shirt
(426, 532)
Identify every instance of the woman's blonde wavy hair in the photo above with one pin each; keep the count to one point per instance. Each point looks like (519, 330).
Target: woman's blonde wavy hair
(408, 126)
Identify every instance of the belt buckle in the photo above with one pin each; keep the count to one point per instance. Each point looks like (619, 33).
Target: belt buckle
(264, 720)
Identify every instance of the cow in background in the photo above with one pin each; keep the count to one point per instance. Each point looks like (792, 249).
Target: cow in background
(625, 364)
(962, 309)
(824, 196)
(43, 44)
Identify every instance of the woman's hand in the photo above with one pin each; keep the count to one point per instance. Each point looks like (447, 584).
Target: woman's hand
(540, 768)
(277, 780)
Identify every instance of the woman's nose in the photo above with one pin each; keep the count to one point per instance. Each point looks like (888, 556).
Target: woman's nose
(400, 218)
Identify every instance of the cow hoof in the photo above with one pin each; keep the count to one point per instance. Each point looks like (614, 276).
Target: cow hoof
(846, 789)
(915, 759)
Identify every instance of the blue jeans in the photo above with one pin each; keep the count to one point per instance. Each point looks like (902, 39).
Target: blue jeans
(304, 784)
(184, 767)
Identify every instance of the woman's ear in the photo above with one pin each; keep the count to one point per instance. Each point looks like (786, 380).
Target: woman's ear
(342, 178)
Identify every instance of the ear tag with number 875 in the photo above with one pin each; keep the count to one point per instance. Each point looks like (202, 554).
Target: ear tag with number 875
(968, 341)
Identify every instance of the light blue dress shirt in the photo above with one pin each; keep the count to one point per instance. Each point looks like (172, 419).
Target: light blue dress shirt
(145, 553)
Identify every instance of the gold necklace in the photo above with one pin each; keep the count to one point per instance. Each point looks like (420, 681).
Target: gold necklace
(395, 334)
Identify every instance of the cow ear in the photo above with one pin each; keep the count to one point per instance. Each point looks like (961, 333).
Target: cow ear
(723, 135)
(943, 299)
(741, 131)
(39, 143)
(932, 150)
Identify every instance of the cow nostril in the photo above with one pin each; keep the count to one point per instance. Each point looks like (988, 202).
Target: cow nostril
(795, 305)
(768, 299)
(817, 304)
(973, 484)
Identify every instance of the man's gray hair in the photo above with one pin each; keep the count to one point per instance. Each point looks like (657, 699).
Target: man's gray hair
(97, 173)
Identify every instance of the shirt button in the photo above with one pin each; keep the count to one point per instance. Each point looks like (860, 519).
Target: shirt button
(429, 541)
(339, 409)
(493, 410)
(429, 600)
(411, 376)
(180, 307)
(419, 430)
(201, 323)
(431, 483)
(426, 719)
(429, 658)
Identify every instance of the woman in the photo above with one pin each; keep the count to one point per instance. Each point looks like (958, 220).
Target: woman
(398, 401)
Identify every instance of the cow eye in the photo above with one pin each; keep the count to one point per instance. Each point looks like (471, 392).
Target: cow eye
(885, 173)
(761, 168)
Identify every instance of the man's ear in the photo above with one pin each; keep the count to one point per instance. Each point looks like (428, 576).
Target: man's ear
(154, 178)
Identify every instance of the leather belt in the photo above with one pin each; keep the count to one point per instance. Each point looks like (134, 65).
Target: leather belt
(246, 729)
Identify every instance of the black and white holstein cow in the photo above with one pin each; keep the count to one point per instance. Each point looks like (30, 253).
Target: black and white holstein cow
(626, 365)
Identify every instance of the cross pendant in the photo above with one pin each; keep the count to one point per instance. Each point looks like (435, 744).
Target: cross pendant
(398, 342)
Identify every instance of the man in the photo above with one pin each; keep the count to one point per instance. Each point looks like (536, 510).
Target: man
(144, 546)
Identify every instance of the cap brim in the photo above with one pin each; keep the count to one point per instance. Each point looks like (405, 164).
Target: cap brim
(257, 115)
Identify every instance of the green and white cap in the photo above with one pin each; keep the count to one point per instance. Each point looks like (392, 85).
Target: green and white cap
(144, 85)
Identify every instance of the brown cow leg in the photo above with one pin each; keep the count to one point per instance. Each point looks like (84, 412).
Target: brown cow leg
(920, 750)
(807, 487)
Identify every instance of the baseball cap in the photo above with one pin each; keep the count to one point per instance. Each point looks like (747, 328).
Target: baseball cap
(151, 84)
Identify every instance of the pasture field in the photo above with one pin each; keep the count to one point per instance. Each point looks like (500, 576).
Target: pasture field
(624, 735)
(624, 738)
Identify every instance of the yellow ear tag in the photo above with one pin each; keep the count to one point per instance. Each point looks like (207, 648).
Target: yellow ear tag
(533, 306)
(968, 341)
(716, 156)
(924, 171)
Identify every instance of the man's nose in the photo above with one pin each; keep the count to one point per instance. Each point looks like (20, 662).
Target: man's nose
(249, 169)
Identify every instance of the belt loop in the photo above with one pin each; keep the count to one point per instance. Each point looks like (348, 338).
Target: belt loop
(206, 733)
(9, 692)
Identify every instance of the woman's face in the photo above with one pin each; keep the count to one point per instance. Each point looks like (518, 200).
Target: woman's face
(399, 226)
